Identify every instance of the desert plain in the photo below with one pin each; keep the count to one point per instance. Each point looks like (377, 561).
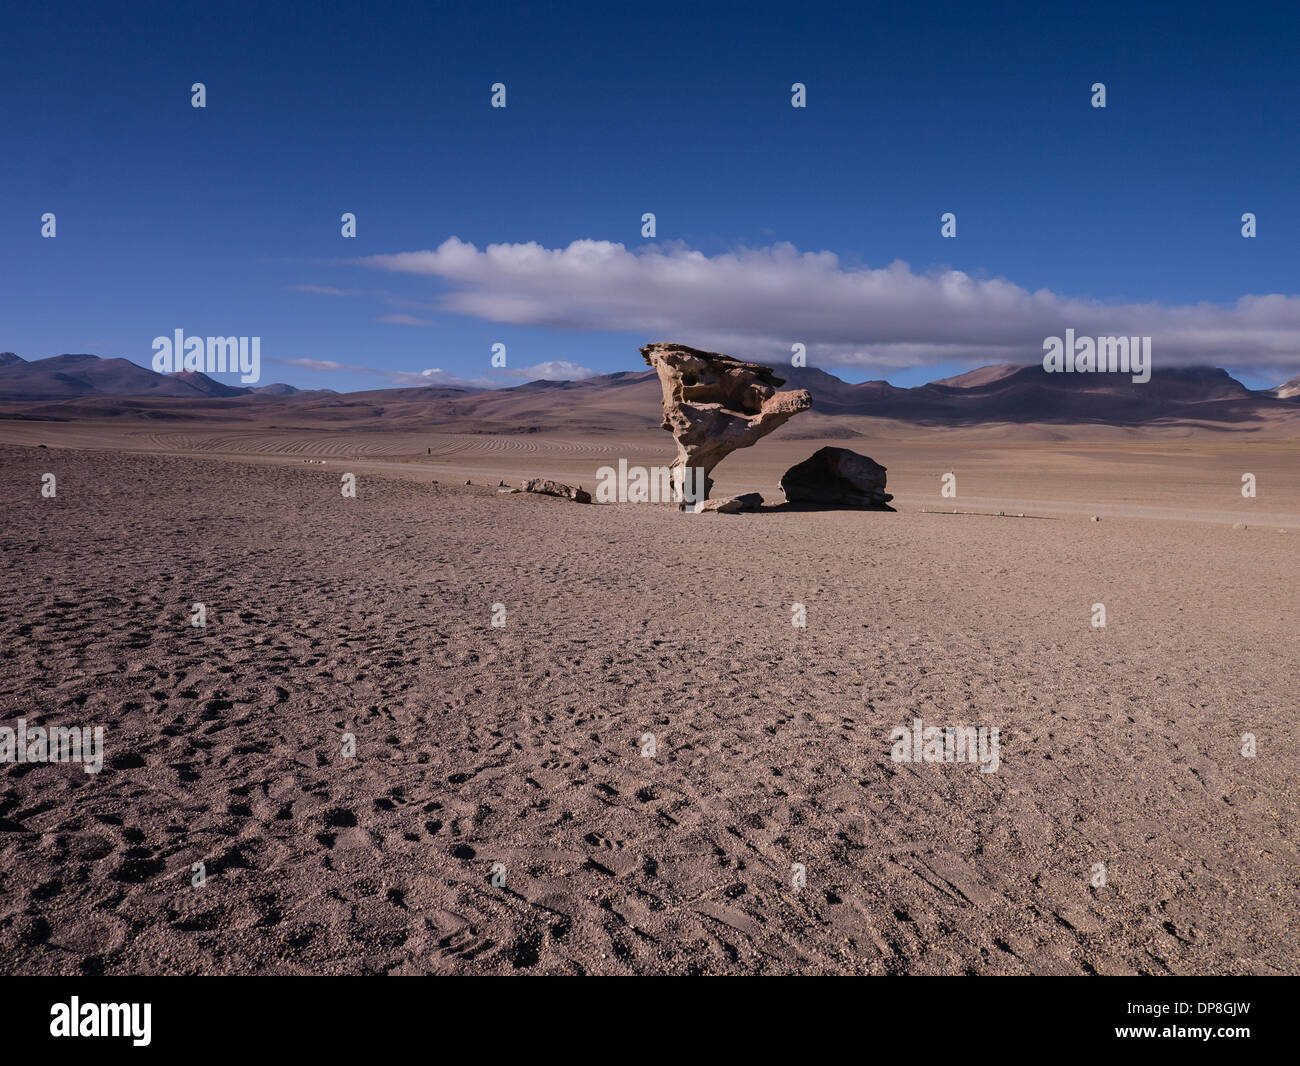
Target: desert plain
(499, 813)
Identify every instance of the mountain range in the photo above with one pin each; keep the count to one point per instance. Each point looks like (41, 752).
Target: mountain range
(67, 387)
(66, 377)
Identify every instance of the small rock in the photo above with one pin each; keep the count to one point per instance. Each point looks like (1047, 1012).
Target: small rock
(546, 487)
(468, 482)
(1239, 525)
(1095, 518)
(746, 501)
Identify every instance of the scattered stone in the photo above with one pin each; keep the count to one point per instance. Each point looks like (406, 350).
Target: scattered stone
(837, 477)
(545, 487)
(714, 404)
(746, 501)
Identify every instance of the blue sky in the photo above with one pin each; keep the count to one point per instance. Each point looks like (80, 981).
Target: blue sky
(774, 224)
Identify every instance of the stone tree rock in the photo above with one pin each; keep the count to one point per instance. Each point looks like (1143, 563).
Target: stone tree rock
(714, 404)
(837, 477)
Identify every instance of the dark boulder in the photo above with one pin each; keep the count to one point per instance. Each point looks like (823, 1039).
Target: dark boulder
(837, 477)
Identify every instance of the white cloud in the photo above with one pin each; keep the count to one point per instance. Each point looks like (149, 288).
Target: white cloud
(757, 302)
(403, 320)
(553, 370)
(393, 377)
(323, 290)
(328, 365)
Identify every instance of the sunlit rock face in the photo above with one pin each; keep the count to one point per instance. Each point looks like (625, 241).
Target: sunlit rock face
(714, 404)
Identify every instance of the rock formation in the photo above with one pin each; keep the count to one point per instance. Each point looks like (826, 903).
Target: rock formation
(546, 487)
(746, 501)
(837, 477)
(714, 404)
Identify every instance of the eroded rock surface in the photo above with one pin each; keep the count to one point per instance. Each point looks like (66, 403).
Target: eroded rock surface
(546, 487)
(746, 501)
(837, 477)
(714, 404)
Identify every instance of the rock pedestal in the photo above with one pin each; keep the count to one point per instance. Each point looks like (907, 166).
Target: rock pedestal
(714, 404)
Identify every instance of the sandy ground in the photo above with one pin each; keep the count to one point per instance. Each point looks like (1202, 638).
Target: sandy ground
(1176, 472)
(522, 745)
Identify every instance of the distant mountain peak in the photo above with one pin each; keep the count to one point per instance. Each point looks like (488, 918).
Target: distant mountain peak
(77, 375)
(984, 375)
(206, 385)
(1288, 390)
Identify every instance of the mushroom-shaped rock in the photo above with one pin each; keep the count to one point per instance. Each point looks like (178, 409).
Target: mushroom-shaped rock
(714, 404)
(837, 477)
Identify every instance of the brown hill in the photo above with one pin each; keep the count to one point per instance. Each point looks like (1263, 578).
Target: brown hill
(62, 377)
(86, 387)
(1288, 390)
(983, 375)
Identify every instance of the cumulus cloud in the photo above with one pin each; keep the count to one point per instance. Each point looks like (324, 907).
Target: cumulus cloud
(759, 301)
(552, 370)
